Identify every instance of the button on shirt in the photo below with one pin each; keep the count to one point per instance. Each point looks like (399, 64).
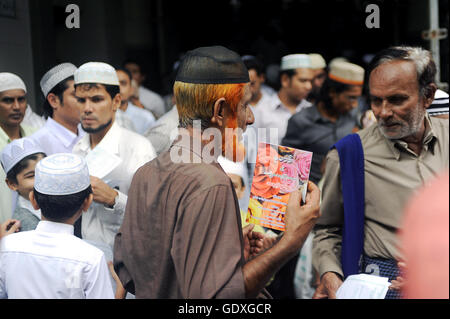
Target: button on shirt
(308, 130)
(392, 173)
(276, 116)
(101, 223)
(51, 263)
(55, 138)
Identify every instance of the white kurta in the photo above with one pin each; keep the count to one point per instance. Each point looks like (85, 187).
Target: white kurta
(55, 138)
(152, 101)
(99, 223)
(51, 263)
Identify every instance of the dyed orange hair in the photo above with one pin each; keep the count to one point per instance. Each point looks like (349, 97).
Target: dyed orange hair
(196, 101)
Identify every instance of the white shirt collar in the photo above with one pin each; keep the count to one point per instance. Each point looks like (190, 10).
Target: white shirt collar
(110, 141)
(47, 226)
(63, 134)
(277, 104)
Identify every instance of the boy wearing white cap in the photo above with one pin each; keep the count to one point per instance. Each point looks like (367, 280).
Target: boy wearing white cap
(13, 103)
(296, 78)
(19, 159)
(113, 153)
(62, 130)
(51, 261)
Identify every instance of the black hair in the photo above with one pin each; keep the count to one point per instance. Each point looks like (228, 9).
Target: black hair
(254, 64)
(422, 59)
(128, 73)
(58, 90)
(329, 86)
(19, 167)
(59, 208)
(112, 90)
(138, 62)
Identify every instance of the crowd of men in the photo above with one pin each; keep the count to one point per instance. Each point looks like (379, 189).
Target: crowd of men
(115, 193)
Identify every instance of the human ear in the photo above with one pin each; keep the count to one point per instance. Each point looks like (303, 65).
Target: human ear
(12, 186)
(219, 112)
(54, 101)
(33, 200)
(116, 102)
(429, 94)
(87, 202)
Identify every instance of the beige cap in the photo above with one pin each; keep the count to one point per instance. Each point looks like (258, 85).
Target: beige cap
(295, 61)
(347, 73)
(96, 72)
(317, 61)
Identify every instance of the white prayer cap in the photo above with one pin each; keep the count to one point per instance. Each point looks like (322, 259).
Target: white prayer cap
(347, 73)
(96, 72)
(295, 61)
(61, 174)
(10, 81)
(56, 75)
(337, 59)
(17, 150)
(317, 61)
(231, 167)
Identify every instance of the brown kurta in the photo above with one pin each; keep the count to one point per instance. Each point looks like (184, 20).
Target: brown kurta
(181, 236)
(392, 173)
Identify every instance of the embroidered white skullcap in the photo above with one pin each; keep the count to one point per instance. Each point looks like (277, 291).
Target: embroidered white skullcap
(55, 76)
(96, 72)
(347, 73)
(10, 81)
(231, 167)
(317, 61)
(61, 174)
(294, 61)
(17, 150)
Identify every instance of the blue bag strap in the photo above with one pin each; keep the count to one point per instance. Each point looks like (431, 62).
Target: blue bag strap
(351, 159)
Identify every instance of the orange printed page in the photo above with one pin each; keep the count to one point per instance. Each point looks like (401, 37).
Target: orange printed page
(279, 170)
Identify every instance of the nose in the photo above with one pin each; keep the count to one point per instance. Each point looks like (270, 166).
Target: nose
(250, 116)
(16, 104)
(385, 110)
(87, 107)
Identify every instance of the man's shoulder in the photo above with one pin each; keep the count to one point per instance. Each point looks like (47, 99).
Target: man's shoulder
(440, 126)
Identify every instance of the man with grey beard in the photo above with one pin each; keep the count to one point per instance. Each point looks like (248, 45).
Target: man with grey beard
(400, 153)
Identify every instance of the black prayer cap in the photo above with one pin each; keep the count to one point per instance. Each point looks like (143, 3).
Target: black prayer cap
(212, 65)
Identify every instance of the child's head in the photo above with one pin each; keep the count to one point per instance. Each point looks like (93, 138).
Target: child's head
(62, 187)
(236, 173)
(19, 159)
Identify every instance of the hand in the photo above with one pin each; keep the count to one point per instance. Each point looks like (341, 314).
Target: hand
(251, 241)
(301, 219)
(328, 286)
(103, 194)
(9, 227)
(399, 282)
(120, 290)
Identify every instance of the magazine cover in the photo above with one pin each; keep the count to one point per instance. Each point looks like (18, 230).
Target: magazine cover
(279, 170)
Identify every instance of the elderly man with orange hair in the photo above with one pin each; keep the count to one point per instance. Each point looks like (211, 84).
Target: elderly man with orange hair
(182, 235)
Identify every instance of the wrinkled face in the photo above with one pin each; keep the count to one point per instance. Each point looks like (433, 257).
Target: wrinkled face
(135, 72)
(299, 85)
(395, 99)
(97, 109)
(255, 83)
(68, 109)
(25, 179)
(347, 100)
(125, 86)
(13, 104)
(232, 138)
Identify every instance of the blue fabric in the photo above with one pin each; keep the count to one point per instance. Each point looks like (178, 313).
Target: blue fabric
(382, 268)
(351, 158)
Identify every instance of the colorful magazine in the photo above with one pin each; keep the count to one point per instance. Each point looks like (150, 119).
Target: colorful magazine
(279, 170)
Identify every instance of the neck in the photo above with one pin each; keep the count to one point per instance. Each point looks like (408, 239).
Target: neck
(96, 138)
(70, 126)
(415, 141)
(288, 102)
(193, 139)
(326, 112)
(13, 132)
(124, 106)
